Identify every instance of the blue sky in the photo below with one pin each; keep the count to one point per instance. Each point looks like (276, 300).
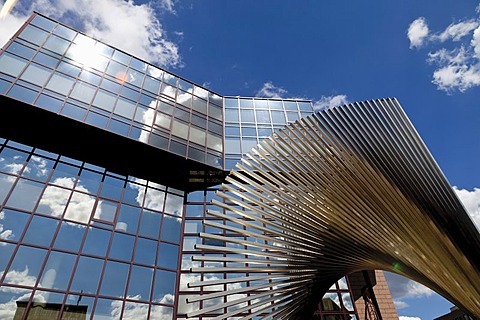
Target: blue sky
(424, 53)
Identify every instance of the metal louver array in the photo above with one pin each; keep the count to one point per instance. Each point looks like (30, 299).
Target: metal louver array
(346, 189)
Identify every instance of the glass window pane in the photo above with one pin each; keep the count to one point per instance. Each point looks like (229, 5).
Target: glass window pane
(246, 103)
(197, 136)
(292, 116)
(97, 242)
(53, 201)
(106, 210)
(104, 100)
(140, 283)
(232, 145)
(195, 196)
(214, 142)
(11, 64)
(90, 77)
(7, 250)
(96, 120)
(162, 312)
(22, 94)
(36, 74)
(40, 231)
(4, 85)
(12, 224)
(151, 84)
(38, 168)
(135, 78)
(80, 207)
(25, 195)
(171, 229)
(121, 57)
(347, 301)
(129, 93)
(21, 50)
(122, 246)
(110, 85)
(278, 117)
(134, 193)
(199, 105)
(168, 255)
(154, 199)
(43, 23)
(48, 103)
(46, 60)
(83, 92)
(196, 154)
(150, 225)
(330, 302)
(73, 111)
(114, 279)
(12, 160)
(231, 115)
(158, 141)
(180, 129)
(112, 188)
(128, 218)
(125, 108)
(69, 69)
(33, 34)
(89, 181)
(25, 266)
(174, 205)
(144, 115)
(69, 236)
(134, 311)
(164, 285)
(56, 44)
(64, 32)
(215, 112)
(87, 275)
(163, 120)
(58, 270)
(117, 70)
(60, 83)
(64, 175)
(145, 252)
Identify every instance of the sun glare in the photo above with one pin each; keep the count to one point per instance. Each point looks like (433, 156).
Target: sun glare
(88, 54)
(7, 7)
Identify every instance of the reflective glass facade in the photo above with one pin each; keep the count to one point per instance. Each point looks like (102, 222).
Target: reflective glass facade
(72, 232)
(83, 241)
(64, 71)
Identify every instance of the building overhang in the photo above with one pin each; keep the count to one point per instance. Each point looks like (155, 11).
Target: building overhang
(72, 138)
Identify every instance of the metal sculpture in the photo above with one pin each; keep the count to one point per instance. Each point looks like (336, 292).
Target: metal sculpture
(346, 189)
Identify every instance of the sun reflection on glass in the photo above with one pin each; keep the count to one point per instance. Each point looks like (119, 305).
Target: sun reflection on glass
(88, 54)
(121, 77)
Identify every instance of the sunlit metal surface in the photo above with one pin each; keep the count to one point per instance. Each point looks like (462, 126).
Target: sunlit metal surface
(347, 189)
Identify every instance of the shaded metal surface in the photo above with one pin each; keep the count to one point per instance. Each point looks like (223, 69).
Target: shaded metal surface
(346, 189)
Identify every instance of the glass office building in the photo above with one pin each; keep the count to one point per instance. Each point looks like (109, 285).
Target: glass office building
(107, 167)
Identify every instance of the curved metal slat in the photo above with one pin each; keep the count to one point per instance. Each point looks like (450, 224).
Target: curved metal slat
(347, 189)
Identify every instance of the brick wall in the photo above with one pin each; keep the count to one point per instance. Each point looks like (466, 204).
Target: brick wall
(381, 292)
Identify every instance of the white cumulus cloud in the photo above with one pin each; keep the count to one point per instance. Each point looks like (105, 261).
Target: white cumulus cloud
(403, 288)
(327, 102)
(408, 318)
(269, 90)
(400, 304)
(457, 63)
(418, 32)
(457, 31)
(134, 28)
(471, 202)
